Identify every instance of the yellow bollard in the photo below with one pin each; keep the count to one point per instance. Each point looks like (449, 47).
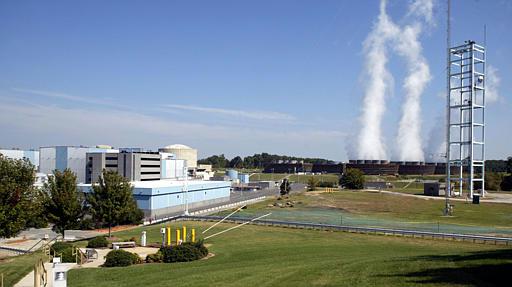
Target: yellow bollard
(168, 233)
(193, 235)
(184, 233)
(178, 237)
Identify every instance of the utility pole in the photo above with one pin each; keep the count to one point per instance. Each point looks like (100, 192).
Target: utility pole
(447, 191)
(186, 190)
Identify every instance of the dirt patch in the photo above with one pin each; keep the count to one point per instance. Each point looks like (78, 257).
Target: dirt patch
(210, 255)
(116, 228)
(15, 241)
(5, 260)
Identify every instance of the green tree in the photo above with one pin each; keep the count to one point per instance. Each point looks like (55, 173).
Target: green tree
(65, 205)
(236, 162)
(509, 164)
(111, 201)
(37, 213)
(506, 184)
(16, 194)
(312, 183)
(352, 178)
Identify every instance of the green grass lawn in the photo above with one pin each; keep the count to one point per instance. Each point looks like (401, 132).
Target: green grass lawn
(299, 178)
(383, 210)
(15, 268)
(272, 256)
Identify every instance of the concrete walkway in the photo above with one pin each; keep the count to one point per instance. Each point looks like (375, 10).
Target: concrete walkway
(28, 280)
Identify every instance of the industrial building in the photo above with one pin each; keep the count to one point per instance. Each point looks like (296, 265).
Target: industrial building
(368, 167)
(30, 155)
(182, 152)
(327, 168)
(134, 166)
(71, 157)
(161, 198)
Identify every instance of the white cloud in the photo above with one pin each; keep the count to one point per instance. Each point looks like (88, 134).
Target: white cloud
(257, 115)
(493, 84)
(33, 125)
(67, 97)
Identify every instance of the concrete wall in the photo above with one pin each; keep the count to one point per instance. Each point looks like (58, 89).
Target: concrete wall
(162, 198)
(47, 159)
(31, 155)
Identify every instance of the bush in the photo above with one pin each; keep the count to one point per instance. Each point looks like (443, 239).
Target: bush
(200, 246)
(64, 250)
(183, 253)
(352, 179)
(119, 258)
(97, 242)
(60, 246)
(328, 184)
(154, 258)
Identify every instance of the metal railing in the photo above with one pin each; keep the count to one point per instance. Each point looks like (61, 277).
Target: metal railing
(357, 229)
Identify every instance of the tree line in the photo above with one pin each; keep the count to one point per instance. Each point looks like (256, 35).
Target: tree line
(60, 202)
(259, 160)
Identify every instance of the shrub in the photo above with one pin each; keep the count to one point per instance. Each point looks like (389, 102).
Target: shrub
(60, 246)
(183, 253)
(154, 258)
(200, 246)
(64, 250)
(121, 258)
(329, 184)
(97, 242)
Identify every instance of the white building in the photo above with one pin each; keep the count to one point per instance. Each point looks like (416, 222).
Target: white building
(72, 157)
(31, 155)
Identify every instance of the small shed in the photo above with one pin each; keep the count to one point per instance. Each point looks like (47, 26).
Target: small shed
(434, 188)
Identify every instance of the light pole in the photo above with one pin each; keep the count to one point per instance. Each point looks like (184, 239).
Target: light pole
(186, 190)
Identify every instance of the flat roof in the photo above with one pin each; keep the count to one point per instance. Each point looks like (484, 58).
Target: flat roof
(169, 183)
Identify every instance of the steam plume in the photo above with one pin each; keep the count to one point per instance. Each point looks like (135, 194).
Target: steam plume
(408, 45)
(370, 143)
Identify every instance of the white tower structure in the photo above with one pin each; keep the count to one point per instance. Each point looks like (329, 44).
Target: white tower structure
(466, 119)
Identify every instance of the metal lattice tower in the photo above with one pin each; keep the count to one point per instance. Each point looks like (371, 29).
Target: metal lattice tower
(466, 124)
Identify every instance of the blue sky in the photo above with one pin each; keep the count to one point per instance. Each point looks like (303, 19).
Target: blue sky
(232, 77)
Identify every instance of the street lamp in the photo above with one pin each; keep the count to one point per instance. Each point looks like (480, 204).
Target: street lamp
(186, 190)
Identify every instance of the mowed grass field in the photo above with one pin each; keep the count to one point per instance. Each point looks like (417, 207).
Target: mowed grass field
(299, 178)
(272, 256)
(395, 207)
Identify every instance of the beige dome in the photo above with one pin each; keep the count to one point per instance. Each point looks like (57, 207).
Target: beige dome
(177, 146)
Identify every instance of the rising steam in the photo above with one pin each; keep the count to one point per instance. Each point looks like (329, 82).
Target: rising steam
(370, 143)
(406, 43)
